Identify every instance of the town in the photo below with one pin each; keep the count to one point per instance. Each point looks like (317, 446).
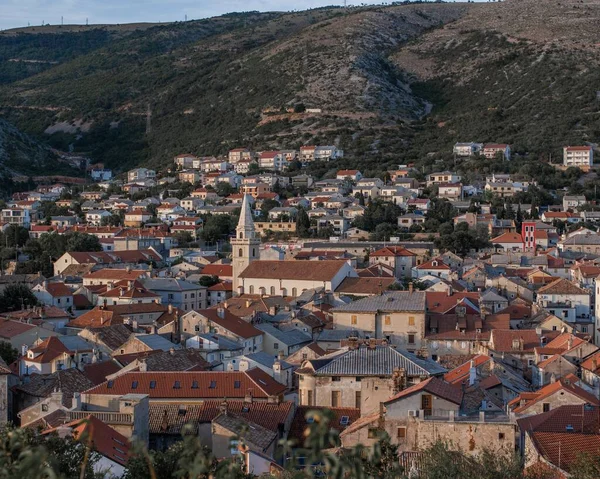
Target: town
(238, 293)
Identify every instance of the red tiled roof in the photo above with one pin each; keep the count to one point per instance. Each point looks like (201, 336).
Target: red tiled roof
(170, 418)
(231, 322)
(116, 274)
(562, 286)
(9, 329)
(440, 302)
(435, 386)
(193, 384)
(461, 373)
(392, 251)
(300, 270)
(434, 264)
(579, 148)
(566, 383)
(508, 238)
(105, 440)
(502, 340)
(97, 372)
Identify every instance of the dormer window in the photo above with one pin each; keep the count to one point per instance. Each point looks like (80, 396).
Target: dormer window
(515, 344)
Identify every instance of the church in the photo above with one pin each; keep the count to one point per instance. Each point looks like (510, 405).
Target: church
(278, 278)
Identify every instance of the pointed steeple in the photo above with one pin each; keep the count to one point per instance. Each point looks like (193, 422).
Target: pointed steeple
(245, 227)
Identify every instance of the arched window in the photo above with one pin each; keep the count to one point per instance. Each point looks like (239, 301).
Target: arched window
(253, 252)
(294, 292)
(283, 292)
(240, 252)
(241, 235)
(272, 290)
(262, 290)
(251, 289)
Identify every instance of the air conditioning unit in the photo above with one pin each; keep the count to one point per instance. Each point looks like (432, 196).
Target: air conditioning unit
(413, 412)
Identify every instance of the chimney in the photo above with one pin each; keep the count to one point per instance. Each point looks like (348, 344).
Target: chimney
(410, 287)
(248, 397)
(552, 378)
(76, 402)
(223, 407)
(172, 351)
(594, 364)
(143, 367)
(280, 355)
(352, 342)
(248, 303)
(221, 313)
(372, 343)
(570, 342)
(472, 373)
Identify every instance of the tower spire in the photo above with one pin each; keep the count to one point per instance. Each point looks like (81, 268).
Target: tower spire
(245, 227)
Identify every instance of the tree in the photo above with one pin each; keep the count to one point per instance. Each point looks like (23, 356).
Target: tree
(8, 353)
(224, 189)
(15, 297)
(208, 280)
(267, 206)
(184, 238)
(216, 227)
(302, 224)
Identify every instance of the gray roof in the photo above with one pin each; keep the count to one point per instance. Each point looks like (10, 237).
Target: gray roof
(387, 302)
(582, 239)
(266, 360)
(156, 341)
(377, 361)
(223, 342)
(290, 337)
(251, 433)
(170, 284)
(339, 334)
(75, 343)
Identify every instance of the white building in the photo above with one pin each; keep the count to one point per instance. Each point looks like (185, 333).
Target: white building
(467, 149)
(580, 156)
(140, 174)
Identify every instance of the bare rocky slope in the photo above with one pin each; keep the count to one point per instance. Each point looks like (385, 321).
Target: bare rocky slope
(519, 71)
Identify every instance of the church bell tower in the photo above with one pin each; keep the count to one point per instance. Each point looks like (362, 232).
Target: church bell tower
(245, 246)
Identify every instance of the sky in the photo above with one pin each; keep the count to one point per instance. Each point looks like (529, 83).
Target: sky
(19, 13)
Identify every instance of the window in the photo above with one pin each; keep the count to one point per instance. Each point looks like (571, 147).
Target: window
(272, 290)
(177, 385)
(276, 346)
(194, 384)
(44, 407)
(309, 398)
(353, 319)
(236, 384)
(152, 384)
(294, 292)
(335, 398)
(251, 289)
(411, 339)
(546, 407)
(240, 252)
(373, 432)
(501, 436)
(336, 378)
(388, 320)
(411, 320)
(134, 385)
(401, 432)
(213, 385)
(357, 399)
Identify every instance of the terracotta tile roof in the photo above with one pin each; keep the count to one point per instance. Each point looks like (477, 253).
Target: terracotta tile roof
(105, 316)
(299, 270)
(105, 440)
(300, 423)
(377, 270)
(170, 418)
(43, 312)
(193, 385)
(437, 387)
(489, 382)
(116, 274)
(347, 172)
(54, 419)
(230, 322)
(470, 327)
(578, 148)
(508, 238)
(503, 341)
(9, 329)
(562, 286)
(440, 302)
(226, 286)
(58, 289)
(126, 359)
(460, 373)
(392, 251)
(97, 372)
(563, 384)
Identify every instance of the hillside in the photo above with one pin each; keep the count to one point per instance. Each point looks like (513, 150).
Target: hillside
(396, 84)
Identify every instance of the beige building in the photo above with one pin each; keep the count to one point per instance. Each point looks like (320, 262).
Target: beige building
(398, 317)
(361, 377)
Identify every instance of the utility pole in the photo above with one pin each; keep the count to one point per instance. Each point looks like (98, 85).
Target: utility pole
(61, 20)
